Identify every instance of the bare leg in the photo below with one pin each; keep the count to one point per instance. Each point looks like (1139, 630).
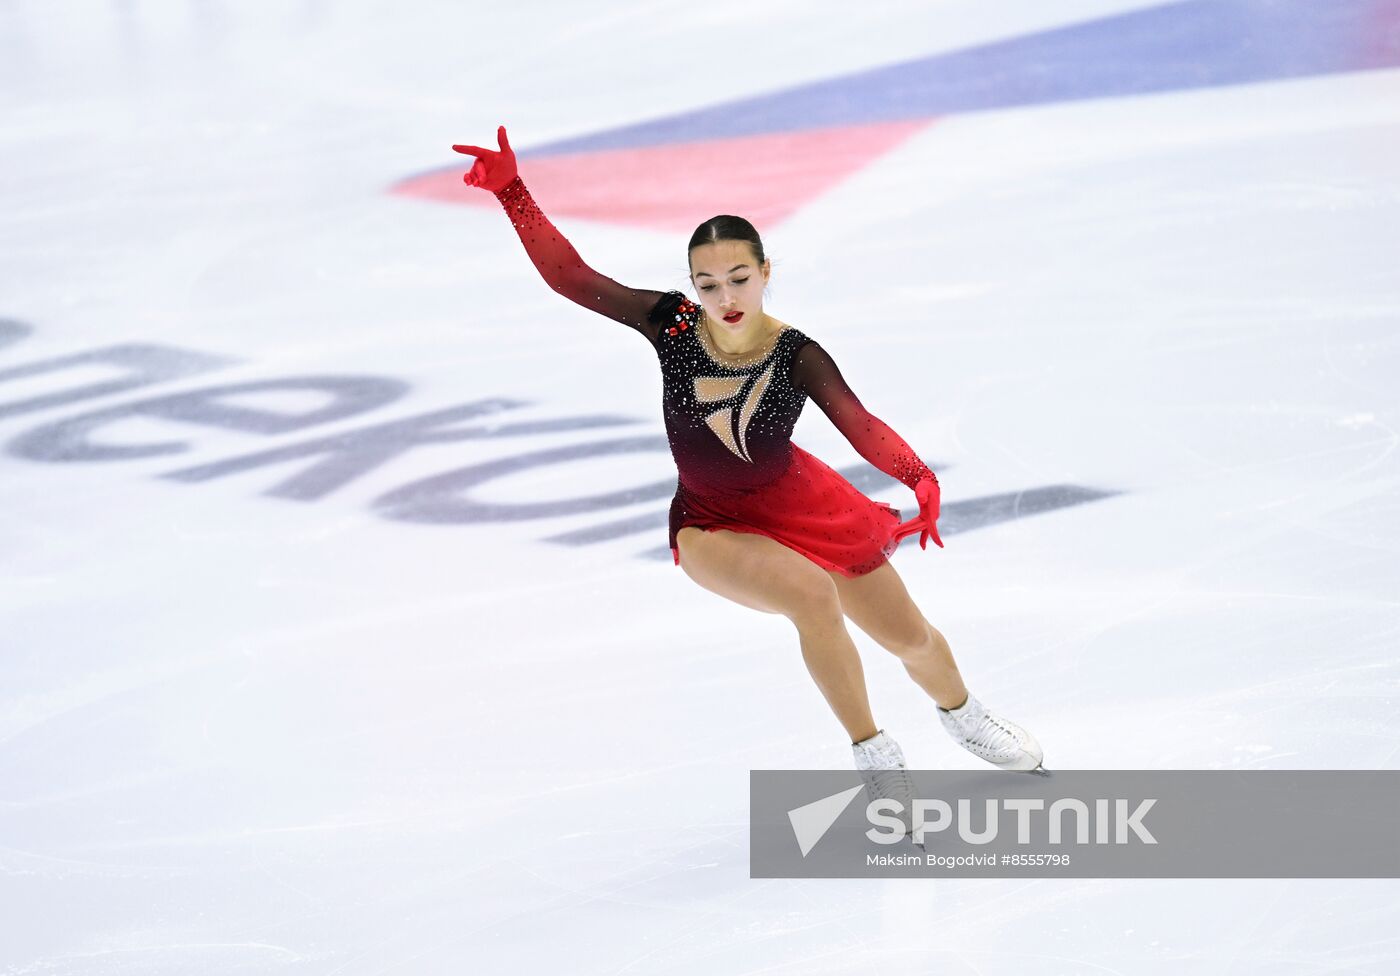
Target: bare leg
(930, 663)
(834, 663)
(757, 572)
(879, 604)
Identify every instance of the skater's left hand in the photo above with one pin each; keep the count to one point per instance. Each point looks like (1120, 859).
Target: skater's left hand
(928, 494)
(493, 170)
(926, 522)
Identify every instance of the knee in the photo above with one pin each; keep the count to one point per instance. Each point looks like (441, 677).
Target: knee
(918, 640)
(814, 602)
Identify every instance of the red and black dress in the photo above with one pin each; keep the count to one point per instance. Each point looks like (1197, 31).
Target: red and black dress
(730, 422)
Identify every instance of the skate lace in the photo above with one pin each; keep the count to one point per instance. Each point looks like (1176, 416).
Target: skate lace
(895, 784)
(885, 774)
(993, 736)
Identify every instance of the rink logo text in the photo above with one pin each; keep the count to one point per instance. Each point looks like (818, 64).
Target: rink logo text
(308, 468)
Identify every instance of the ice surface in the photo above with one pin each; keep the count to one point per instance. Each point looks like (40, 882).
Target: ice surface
(291, 715)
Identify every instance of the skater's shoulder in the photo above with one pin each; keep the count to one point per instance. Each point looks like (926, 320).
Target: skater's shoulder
(787, 332)
(796, 339)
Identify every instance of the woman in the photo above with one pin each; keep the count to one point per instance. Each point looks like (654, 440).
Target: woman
(755, 518)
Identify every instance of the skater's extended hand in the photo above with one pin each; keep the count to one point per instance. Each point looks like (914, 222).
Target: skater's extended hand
(926, 522)
(928, 494)
(492, 170)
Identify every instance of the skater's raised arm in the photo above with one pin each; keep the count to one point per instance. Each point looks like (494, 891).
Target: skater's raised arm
(814, 372)
(553, 256)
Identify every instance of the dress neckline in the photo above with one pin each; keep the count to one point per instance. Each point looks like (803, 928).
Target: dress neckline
(703, 332)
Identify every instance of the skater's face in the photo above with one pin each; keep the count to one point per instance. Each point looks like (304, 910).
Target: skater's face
(728, 279)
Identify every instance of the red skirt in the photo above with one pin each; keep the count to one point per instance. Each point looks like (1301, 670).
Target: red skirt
(809, 508)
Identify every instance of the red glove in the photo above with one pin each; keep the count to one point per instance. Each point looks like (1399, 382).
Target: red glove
(492, 170)
(926, 522)
(929, 494)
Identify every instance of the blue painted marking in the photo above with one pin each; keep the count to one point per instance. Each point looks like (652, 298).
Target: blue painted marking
(1175, 47)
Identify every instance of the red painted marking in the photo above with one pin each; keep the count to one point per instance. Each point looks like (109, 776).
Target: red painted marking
(672, 188)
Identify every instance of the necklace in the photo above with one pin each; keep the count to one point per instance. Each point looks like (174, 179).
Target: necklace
(739, 359)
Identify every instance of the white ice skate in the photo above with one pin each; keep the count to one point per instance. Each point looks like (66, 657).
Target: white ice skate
(881, 765)
(991, 737)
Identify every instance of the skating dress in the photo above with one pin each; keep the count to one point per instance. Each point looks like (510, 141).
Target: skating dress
(729, 420)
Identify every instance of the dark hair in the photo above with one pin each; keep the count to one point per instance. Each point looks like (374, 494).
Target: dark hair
(726, 227)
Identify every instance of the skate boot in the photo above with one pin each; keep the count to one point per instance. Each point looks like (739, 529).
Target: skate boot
(991, 737)
(881, 765)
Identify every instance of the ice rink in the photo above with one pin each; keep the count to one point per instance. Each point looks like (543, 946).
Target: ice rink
(340, 635)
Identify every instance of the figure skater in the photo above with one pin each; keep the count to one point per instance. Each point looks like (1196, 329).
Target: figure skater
(755, 518)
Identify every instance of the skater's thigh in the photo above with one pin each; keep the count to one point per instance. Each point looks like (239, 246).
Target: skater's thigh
(756, 571)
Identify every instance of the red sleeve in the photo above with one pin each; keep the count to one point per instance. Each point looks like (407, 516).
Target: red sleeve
(564, 271)
(815, 373)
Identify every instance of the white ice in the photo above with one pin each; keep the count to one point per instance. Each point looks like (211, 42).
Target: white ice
(242, 733)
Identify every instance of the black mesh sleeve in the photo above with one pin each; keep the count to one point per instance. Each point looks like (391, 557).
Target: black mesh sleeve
(814, 372)
(564, 271)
